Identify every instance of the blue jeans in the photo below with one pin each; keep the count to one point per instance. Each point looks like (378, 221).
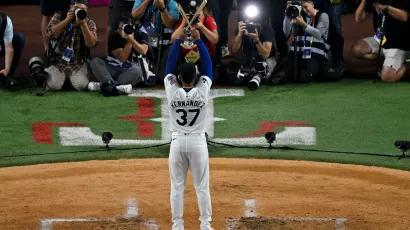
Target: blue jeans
(335, 39)
(18, 45)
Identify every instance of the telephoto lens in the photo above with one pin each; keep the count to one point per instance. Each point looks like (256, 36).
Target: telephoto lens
(80, 13)
(37, 70)
(128, 29)
(254, 83)
(294, 10)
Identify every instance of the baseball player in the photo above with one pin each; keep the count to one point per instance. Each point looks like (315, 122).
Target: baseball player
(188, 105)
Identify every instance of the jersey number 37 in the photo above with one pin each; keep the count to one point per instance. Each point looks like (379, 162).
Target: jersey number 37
(184, 116)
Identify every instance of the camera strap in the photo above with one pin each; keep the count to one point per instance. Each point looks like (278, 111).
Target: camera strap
(71, 34)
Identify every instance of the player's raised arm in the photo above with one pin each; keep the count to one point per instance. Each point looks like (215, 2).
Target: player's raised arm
(205, 59)
(173, 57)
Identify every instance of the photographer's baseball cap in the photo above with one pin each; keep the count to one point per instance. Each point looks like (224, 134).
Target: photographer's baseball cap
(85, 2)
(187, 72)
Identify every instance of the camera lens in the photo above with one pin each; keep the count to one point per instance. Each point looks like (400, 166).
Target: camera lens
(80, 13)
(254, 82)
(128, 29)
(293, 12)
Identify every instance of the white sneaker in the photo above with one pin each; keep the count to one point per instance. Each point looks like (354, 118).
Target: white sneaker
(94, 86)
(125, 89)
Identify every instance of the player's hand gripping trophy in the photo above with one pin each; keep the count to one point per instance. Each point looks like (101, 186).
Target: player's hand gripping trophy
(190, 21)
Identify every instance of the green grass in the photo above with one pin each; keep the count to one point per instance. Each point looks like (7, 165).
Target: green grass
(352, 115)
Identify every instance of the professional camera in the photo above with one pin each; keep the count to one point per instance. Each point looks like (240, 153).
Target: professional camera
(128, 29)
(80, 13)
(252, 27)
(36, 66)
(294, 10)
(252, 75)
(252, 14)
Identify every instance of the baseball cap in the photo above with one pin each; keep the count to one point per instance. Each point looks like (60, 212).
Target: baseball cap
(187, 72)
(85, 2)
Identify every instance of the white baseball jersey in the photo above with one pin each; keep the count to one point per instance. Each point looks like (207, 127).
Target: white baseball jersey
(188, 110)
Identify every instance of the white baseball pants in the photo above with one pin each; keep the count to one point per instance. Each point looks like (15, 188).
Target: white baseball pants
(189, 150)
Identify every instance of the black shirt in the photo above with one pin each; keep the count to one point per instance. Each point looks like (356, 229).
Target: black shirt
(397, 32)
(117, 42)
(266, 34)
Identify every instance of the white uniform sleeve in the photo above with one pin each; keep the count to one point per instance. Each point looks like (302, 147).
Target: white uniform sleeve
(171, 84)
(204, 84)
(8, 33)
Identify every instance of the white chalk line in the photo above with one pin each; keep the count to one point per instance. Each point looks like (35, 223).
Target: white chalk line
(132, 211)
(250, 208)
(249, 211)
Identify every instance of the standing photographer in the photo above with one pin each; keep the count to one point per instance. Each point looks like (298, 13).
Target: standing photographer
(74, 35)
(310, 43)
(11, 48)
(121, 70)
(155, 15)
(256, 41)
(395, 45)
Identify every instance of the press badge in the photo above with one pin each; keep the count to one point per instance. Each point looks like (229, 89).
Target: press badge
(68, 54)
(378, 36)
(307, 53)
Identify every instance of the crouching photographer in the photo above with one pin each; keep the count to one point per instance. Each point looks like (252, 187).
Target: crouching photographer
(122, 68)
(256, 41)
(391, 39)
(11, 48)
(310, 28)
(71, 36)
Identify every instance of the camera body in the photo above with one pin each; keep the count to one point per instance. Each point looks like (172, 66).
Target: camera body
(80, 13)
(254, 75)
(252, 27)
(294, 10)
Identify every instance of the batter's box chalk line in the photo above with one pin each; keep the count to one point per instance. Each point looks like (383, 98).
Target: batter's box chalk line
(250, 211)
(132, 211)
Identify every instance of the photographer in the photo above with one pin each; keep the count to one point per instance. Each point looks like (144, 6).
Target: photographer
(312, 50)
(73, 37)
(154, 15)
(48, 9)
(256, 41)
(116, 9)
(121, 71)
(11, 48)
(395, 45)
(206, 25)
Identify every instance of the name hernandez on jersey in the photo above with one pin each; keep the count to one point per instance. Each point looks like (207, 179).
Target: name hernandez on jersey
(189, 103)
(188, 109)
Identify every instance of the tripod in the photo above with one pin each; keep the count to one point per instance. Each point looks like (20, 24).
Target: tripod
(382, 35)
(295, 52)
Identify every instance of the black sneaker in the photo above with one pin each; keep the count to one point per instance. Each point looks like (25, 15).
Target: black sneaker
(3, 79)
(11, 81)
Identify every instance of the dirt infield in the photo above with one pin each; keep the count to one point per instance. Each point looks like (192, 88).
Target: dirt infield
(246, 194)
(27, 20)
